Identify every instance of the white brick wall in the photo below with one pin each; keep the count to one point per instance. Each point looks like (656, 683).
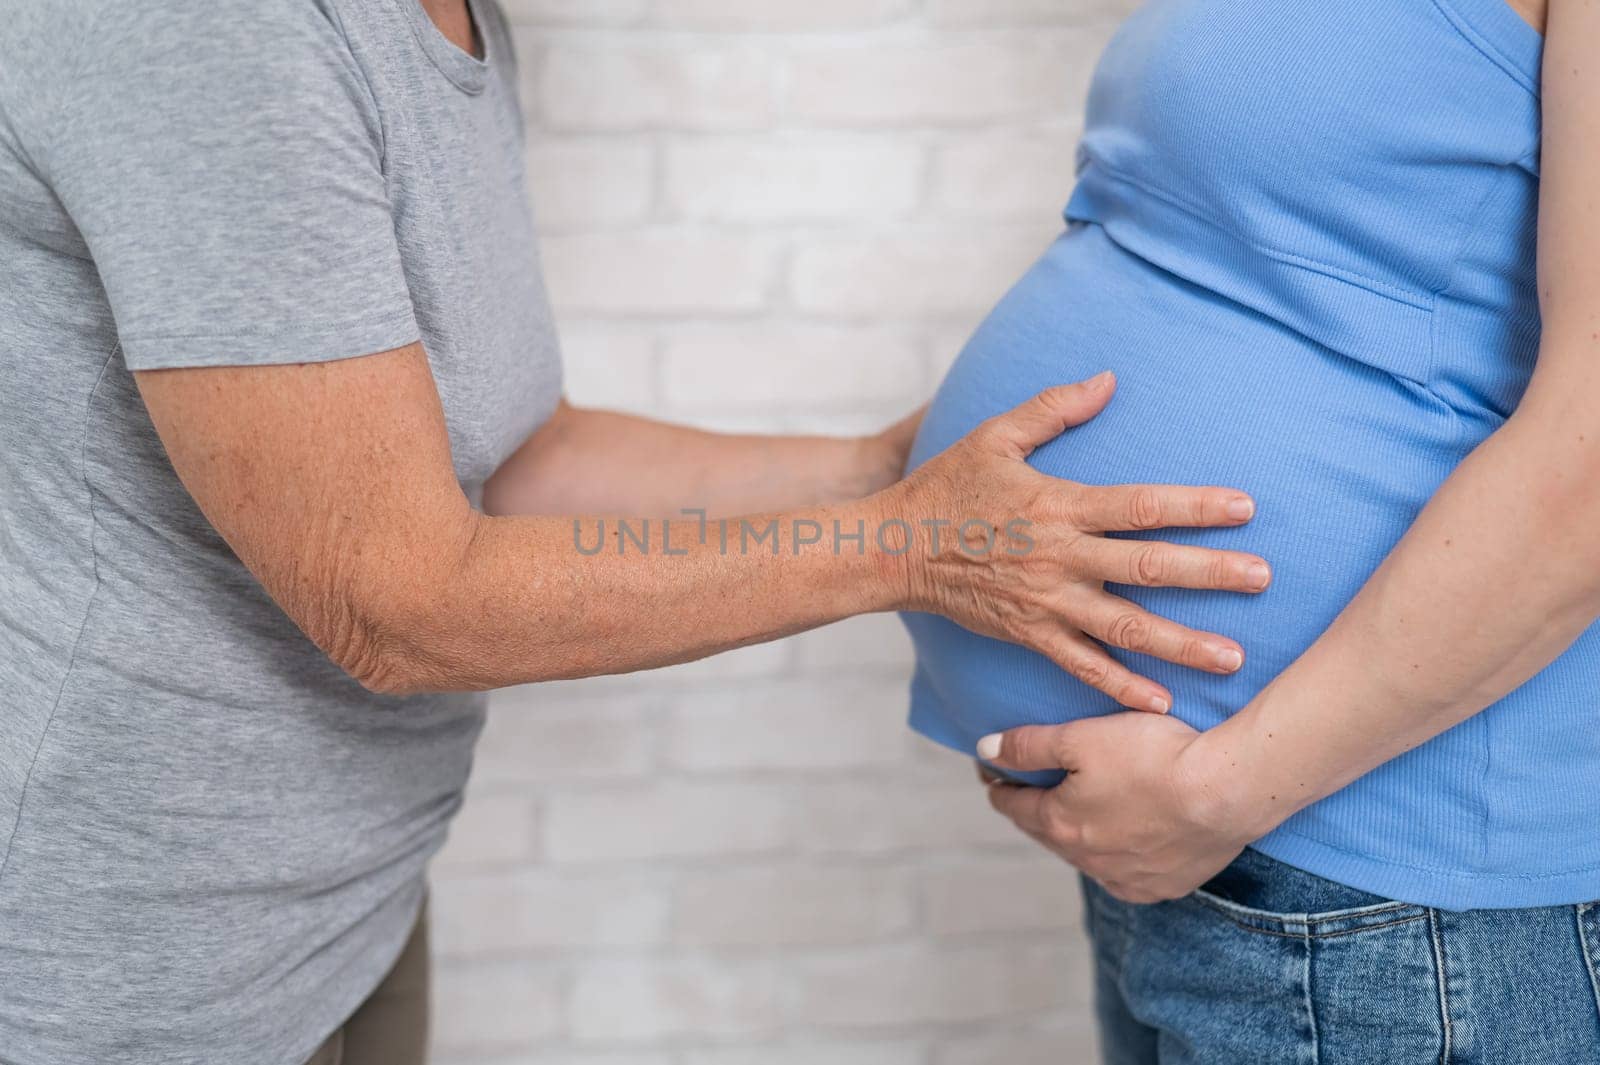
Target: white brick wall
(784, 216)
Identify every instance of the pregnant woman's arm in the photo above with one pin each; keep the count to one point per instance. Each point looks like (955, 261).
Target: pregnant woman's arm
(1498, 575)
(333, 483)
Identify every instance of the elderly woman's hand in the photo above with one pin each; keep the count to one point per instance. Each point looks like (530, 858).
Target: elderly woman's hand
(1009, 552)
(1139, 812)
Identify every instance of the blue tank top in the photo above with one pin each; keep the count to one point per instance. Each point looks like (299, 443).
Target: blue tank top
(1303, 236)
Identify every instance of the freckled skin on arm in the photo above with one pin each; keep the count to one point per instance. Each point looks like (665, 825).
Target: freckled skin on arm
(300, 509)
(603, 462)
(333, 483)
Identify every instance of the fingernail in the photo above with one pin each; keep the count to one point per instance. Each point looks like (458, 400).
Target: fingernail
(1228, 659)
(1100, 380)
(1241, 508)
(1258, 575)
(989, 747)
(1159, 703)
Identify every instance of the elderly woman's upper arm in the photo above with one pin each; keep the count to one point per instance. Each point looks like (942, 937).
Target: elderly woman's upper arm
(331, 481)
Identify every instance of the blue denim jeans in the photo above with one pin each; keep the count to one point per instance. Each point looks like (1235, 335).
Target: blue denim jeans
(1269, 965)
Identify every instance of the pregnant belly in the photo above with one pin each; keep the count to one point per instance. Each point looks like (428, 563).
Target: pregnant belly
(1339, 456)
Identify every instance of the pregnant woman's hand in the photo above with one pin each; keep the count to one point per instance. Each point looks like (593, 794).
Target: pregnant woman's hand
(1013, 553)
(1140, 810)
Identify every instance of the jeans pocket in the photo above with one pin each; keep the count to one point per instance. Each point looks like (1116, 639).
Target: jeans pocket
(1261, 894)
(1267, 964)
(1227, 983)
(1320, 925)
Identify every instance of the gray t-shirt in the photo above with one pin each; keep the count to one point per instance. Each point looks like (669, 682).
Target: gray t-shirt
(212, 842)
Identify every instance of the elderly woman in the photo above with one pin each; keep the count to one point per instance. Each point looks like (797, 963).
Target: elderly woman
(1347, 255)
(279, 405)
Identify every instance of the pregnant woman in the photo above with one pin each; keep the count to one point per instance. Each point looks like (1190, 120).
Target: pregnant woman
(1304, 234)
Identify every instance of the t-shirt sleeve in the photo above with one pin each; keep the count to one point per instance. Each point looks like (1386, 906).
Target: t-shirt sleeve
(224, 164)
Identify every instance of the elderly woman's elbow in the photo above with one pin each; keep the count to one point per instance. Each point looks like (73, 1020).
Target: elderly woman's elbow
(359, 637)
(380, 609)
(370, 635)
(384, 672)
